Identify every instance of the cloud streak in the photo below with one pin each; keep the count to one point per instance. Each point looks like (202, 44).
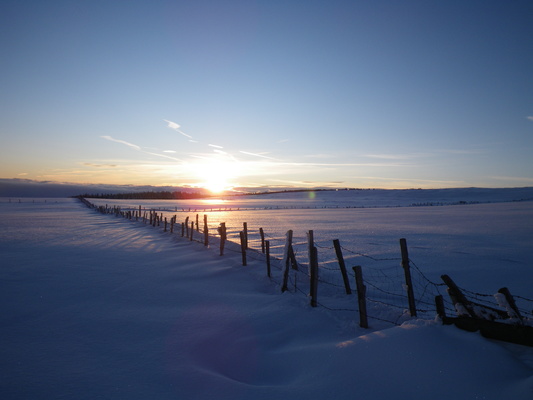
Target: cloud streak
(111, 139)
(176, 127)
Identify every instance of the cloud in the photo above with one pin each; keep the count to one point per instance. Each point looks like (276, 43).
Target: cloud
(530, 117)
(256, 155)
(133, 146)
(215, 146)
(176, 127)
(88, 164)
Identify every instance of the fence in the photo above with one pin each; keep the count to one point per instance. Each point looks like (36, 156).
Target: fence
(383, 290)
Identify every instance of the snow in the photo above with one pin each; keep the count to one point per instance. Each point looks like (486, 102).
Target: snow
(95, 306)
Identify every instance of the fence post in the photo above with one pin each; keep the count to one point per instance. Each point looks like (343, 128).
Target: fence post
(267, 248)
(408, 281)
(192, 230)
(182, 229)
(361, 296)
(206, 231)
(172, 221)
(222, 232)
(262, 233)
(511, 305)
(286, 259)
(439, 303)
(197, 227)
(245, 233)
(243, 247)
(164, 230)
(463, 307)
(342, 266)
(310, 246)
(313, 266)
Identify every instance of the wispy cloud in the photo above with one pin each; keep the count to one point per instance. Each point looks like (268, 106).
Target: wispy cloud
(176, 127)
(530, 117)
(133, 146)
(88, 164)
(216, 146)
(256, 155)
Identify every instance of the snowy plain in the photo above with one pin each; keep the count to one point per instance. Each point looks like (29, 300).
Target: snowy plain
(96, 306)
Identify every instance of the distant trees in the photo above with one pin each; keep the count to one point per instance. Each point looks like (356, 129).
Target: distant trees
(163, 195)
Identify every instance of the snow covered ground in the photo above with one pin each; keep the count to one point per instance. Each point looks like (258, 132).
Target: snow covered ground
(95, 306)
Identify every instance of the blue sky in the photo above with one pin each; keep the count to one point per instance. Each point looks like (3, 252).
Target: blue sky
(390, 94)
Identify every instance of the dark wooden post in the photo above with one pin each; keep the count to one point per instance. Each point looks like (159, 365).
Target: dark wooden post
(342, 266)
(310, 246)
(182, 229)
(313, 265)
(262, 233)
(197, 227)
(439, 303)
(192, 230)
(206, 231)
(361, 296)
(243, 247)
(287, 260)
(267, 249)
(408, 281)
(511, 305)
(222, 233)
(187, 226)
(164, 230)
(245, 233)
(463, 307)
(172, 222)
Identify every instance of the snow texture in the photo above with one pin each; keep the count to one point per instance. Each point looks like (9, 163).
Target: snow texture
(95, 306)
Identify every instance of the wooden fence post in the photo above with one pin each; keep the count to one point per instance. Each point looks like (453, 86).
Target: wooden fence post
(197, 227)
(361, 296)
(222, 233)
(313, 266)
(172, 222)
(286, 259)
(243, 247)
(267, 249)
(510, 306)
(439, 303)
(262, 233)
(342, 266)
(164, 230)
(182, 229)
(187, 226)
(408, 281)
(463, 307)
(192, 230)
(206, 231)
(310, 246)
(245, 233)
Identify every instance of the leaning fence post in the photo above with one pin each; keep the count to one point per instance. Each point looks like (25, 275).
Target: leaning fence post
(439, 303)
(408, 281)
(267, 248)
(342, 266)
(243, 247)
(510, 305)
(361, 296)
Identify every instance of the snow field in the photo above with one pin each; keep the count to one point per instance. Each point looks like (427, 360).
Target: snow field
(99, 307)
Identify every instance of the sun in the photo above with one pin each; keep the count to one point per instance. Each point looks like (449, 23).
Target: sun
(215, 175)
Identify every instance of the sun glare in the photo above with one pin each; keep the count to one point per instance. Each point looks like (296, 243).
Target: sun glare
(215, 175)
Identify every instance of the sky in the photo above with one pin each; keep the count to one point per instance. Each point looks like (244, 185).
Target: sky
(315, 93)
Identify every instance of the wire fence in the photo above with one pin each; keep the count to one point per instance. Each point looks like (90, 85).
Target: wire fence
(384, 277)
